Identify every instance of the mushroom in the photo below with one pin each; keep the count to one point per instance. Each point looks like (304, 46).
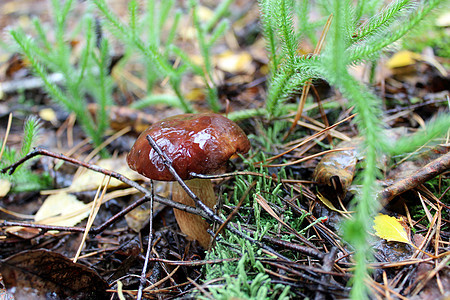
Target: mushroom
(196, 143)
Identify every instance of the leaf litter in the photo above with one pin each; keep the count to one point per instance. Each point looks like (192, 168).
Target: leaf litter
(114, 253)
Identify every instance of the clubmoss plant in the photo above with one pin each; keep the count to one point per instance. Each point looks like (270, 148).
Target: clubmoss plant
(349, 42)
(246, 276)
(24, 179)
(87, 78)
(157, 52)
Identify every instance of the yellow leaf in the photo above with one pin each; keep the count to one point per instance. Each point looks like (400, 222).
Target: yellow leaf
(204, 13)
(195, 94)
(390, 229)
(328, 204)
(5, 186)
(443, 20)
(402, 59)
(234, 62)
(48, 114)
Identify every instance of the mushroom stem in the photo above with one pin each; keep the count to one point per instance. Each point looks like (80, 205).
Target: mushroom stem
(192, 225)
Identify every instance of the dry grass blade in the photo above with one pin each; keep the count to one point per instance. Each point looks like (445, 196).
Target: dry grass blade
(261, 201)
(309, 157)
(310, 138)
(8, 129)
(308, 83)
(95, 207)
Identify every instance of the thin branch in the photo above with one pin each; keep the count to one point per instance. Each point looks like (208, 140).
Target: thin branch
(210, 214)
(429, 171)
(94, 230)
(40, 151)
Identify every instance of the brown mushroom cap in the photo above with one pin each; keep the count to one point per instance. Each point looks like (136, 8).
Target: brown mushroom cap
(199, 143)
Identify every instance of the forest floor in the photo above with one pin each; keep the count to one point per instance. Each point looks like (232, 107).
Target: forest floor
(411, 236)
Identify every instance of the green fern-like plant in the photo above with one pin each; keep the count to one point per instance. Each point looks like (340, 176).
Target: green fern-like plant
(23, 178)
(350, 41)
(90, 77)
(157, 52)
(246, 278)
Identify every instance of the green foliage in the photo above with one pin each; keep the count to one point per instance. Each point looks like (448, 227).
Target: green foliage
(246, 277)
(435, 128)
(374, 42)
(236, 279)
(381, 21)
(349, 42)
(157, 52)
(206, 55)
(428, 34)
(23, 178)
(88, 78)
(288, 71)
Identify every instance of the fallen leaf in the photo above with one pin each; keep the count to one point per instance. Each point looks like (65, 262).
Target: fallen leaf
(48, 114)
(443, 20)
(90, 180)
(138, 217)
(330, 205)
(402, 59)
(16, 67)
(61, 209)
(235, 62)
(5, 186)
(195, 94)
(390, 229)
(42, 274)
(23, 232)
(204, 13)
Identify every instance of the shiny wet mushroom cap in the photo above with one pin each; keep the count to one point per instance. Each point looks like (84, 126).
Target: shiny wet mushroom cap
(199, 143)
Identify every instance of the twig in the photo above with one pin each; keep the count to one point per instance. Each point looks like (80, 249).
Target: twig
(29, 83)
(201, 210)
(93, 230)
(327, 266)
(331, 287)
(422, 175)
(294, 247)
(40, 151)
(207, 211)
